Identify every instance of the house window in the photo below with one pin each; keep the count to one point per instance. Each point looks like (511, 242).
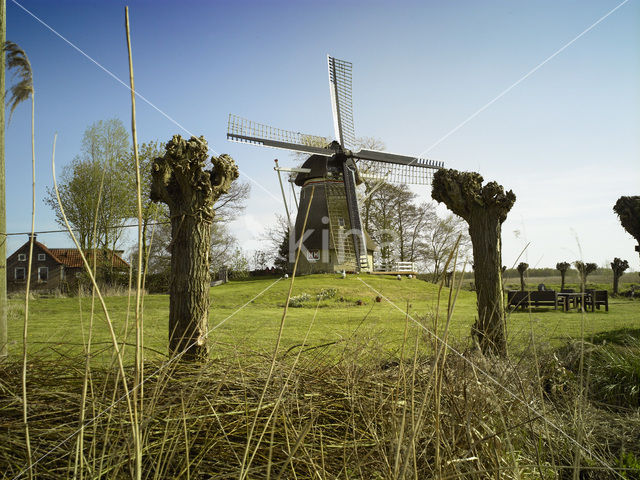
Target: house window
(43, 274)
(41, 257)
(22, 257)
(19, 273)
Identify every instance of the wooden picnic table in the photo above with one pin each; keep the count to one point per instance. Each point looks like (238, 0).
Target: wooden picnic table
(570, 300)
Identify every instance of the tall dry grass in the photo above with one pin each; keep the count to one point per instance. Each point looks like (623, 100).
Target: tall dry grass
(346, 411)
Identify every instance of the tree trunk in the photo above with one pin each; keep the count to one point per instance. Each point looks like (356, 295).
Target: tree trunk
(616, 279)
(189, 286)
(179, 180)
(523, 286)
(562, 275)
(490, 328)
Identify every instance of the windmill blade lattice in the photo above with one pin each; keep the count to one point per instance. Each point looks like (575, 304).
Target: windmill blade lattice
(393, 173)
(340, 80)
(395, 168)
(246, 131)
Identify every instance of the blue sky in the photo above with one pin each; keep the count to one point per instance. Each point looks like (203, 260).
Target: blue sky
(566, 139)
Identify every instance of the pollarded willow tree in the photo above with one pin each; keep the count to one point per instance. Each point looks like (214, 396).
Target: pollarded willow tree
(628, 211)
(484, 208)
(584, 270)
(522, 267)
(618, 266)
(180, 180)
(562, 267)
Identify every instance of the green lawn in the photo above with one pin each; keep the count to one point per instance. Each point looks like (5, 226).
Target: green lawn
(247, 314)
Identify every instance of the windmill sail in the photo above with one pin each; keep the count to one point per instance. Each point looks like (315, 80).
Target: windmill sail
(394, 168)
(246, 131)
(341, 100)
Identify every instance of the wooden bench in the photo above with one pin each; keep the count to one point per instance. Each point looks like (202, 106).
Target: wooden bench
(517, 298)
(596, 299)
(544, 298)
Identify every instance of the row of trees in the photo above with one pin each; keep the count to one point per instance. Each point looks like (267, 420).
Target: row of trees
(618, 266)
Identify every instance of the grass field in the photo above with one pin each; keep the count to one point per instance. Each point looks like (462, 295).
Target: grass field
(248, 313)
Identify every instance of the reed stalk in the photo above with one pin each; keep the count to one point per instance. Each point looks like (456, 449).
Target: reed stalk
(139, 380)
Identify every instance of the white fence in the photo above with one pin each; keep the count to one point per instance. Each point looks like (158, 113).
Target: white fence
(397, 267)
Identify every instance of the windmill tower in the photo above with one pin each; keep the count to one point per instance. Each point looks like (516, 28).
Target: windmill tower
(334, 238)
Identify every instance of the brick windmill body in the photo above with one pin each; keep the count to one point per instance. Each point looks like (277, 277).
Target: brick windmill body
(329, 237)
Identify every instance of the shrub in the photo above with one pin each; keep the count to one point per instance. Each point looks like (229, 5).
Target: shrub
(326, 293)
(299, 300)
(157, 282)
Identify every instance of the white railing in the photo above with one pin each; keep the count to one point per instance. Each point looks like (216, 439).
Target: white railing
(405, 267)
(397, 267)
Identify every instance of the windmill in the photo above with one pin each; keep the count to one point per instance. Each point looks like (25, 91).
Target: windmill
(334, 239)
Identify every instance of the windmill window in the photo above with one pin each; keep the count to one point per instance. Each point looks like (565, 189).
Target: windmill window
(43, 274)
(42, 257)
(341, 221)
(19, 273)
(22, 257)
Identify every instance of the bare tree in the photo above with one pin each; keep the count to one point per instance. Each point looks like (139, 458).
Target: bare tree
(180, 181)
(618, 266)
(439, 238)
(417, 220)
(231, 204)
(387, 219)
(484, 208)
(223, 246)
(151, 211)
(280, 246)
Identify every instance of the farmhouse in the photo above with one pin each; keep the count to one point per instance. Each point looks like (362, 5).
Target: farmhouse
(55, 268)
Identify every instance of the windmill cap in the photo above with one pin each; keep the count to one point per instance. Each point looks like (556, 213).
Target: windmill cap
(320, 166)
